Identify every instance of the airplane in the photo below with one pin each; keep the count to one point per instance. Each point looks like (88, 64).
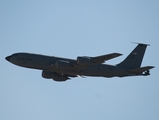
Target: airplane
(62, 69)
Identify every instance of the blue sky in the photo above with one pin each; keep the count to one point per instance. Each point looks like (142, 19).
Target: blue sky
(71, 29)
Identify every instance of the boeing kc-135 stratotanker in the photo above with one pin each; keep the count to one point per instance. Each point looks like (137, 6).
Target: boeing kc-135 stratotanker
(62, 69)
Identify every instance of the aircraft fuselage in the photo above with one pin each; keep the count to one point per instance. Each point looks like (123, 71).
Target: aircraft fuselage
(47, 63)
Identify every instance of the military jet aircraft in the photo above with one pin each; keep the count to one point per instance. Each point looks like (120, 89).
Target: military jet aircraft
(62, 69)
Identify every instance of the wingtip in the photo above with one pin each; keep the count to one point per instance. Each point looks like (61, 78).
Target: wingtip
(150, 67)
(118, 54)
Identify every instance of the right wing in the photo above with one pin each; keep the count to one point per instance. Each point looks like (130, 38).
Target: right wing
(103, 58)
(86, 62)
(95, 61)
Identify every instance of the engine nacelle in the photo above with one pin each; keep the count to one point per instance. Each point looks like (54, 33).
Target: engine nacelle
(84, 60)
(60, 64)
(54, 76)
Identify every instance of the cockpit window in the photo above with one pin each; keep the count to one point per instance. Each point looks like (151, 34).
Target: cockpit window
(14, 55)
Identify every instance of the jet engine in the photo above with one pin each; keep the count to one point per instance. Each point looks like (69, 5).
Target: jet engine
(84, 60)
(54, 76)
(60, 64)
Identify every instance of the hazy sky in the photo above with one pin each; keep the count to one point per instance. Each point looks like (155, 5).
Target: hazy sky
(73, 28)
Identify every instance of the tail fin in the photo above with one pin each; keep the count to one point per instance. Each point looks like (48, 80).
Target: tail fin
(134, 59)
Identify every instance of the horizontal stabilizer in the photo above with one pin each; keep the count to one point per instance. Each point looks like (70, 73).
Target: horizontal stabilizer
(140, 70)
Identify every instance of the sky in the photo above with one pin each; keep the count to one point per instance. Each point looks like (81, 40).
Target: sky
(78, 28)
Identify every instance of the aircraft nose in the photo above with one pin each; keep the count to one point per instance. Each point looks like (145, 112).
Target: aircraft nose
(8, 58)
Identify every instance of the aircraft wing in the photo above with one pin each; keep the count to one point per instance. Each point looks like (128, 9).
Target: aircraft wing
(95, 61)
(103, 58)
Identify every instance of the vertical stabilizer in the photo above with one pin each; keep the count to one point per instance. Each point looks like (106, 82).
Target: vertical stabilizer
(134, 59)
